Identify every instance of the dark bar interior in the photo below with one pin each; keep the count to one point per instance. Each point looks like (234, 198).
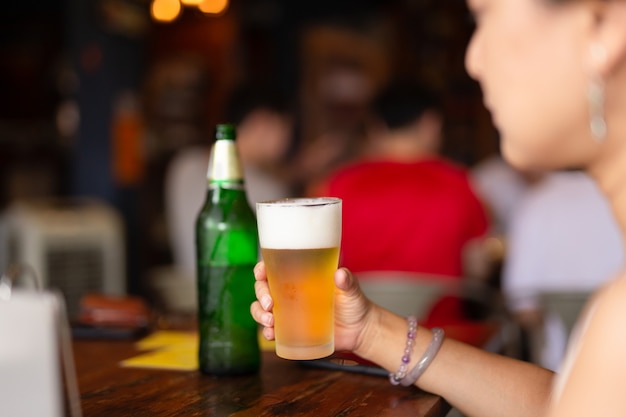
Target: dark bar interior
(97, 96)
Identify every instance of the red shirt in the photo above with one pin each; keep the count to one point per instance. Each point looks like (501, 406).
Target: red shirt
(414, 216)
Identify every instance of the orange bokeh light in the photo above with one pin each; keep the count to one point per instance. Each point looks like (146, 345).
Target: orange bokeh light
(213, 6)
(165, 10)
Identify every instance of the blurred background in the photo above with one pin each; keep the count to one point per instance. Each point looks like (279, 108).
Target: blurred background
(97, 96)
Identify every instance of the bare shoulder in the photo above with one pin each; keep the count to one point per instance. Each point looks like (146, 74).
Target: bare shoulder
(608, 306)
(605, 316)
(593, 384)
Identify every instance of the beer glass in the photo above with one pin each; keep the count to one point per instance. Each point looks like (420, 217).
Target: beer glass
(300, 240)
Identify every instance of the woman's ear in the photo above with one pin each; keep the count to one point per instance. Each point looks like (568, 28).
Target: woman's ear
(608, 40)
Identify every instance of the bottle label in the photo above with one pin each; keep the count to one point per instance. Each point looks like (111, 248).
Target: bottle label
(225, 164)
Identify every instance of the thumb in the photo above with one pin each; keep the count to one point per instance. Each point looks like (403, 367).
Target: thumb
(345, 281)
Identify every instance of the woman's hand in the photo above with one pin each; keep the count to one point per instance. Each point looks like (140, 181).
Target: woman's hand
(352, 308)
(261, 309)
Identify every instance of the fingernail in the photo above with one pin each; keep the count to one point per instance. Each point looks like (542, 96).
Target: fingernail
(268, 319)
(266, 301)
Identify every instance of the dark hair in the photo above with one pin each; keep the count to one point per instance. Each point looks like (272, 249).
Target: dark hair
(403, 102)
(247, 98)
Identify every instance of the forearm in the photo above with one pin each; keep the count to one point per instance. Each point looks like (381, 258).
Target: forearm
(481, 383)
(477, 382)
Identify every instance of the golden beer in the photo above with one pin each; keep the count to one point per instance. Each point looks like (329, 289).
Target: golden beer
(300, 240)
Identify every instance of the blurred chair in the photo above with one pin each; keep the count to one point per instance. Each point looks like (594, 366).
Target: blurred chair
(567, 305)
(75, 245)
(560, 310)
(424, 296)
(406, 293)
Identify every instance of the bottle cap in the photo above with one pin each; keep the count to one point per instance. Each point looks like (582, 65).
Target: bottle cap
(225, 132)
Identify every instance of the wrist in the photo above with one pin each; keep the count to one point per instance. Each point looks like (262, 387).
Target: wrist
(424, 362)
(382, 332)
(369, 333)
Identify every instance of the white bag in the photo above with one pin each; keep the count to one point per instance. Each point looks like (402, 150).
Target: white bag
(35, 354)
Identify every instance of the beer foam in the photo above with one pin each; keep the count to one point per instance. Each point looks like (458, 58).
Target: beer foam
(299, 223)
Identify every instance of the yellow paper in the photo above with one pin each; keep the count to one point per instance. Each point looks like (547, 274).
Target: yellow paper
(174, 350)
(167, 350)
(167, 339)
(176, 359)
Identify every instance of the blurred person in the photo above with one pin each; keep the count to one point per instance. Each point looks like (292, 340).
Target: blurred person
(342, 73)
(563, 237)
(420, 206)
(325, 153)
(264, 134)
(501, 187)
(553, 74)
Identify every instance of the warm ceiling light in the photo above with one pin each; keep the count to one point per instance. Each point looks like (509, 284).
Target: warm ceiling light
(191, 2)
(213, 6)
(165, 10)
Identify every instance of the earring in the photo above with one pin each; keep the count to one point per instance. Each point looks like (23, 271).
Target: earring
(595, 95)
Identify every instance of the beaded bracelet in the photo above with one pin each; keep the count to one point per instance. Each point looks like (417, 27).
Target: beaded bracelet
(426, 359)
(406, 357)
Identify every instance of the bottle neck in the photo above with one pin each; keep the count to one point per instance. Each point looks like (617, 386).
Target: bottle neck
(225, 170)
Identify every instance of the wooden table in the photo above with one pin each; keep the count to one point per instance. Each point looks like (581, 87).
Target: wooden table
(282, 388)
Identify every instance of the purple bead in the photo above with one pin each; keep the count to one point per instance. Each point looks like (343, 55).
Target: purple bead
(393, 379)
(406, 358)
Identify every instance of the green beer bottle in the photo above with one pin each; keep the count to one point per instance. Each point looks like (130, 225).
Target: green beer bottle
(226, 252)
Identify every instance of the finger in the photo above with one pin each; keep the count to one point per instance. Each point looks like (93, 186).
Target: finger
(262, 291)
(261, 288)
(260, 315)
(268, 333)
(259, 271)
